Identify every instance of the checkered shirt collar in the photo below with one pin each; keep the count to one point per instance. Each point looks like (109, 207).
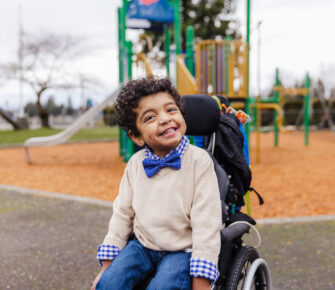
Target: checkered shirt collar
(181, 148)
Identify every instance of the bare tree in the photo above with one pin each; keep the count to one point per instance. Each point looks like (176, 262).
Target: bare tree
(16, 125)
(44, 63)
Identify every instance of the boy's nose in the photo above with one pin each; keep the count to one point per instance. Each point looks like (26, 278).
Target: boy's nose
(164, 118)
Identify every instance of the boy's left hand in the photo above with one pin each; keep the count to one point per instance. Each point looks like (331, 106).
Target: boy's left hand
(201, 284)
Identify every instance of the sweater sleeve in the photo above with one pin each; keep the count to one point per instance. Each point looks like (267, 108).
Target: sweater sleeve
(121, 222)
(206, 217)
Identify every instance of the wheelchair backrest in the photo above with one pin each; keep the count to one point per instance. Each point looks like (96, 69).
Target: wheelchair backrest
(202, 116)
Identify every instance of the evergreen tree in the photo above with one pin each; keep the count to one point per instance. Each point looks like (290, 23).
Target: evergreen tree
(209, 18)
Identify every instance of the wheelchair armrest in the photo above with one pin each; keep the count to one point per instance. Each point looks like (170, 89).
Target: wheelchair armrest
(232, 232)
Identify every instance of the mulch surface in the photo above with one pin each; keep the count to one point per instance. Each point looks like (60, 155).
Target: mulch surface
(293, 179)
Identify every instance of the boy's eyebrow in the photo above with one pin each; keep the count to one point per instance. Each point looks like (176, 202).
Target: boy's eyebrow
(145, 112)
(151, 110)
(170, 103)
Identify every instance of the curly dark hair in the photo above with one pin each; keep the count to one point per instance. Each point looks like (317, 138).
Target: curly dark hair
(127, 100)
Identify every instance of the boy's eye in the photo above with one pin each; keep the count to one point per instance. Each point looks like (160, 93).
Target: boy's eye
(172, 109)
(148, 118)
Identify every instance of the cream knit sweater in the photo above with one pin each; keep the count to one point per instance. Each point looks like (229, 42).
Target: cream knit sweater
(174, 210)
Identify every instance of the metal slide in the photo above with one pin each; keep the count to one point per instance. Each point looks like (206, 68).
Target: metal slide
(72, 129)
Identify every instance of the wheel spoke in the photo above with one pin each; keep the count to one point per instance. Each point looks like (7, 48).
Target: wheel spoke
(240, 268)
(243, 274)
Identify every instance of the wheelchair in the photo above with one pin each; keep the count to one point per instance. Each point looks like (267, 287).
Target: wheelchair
(239, 265)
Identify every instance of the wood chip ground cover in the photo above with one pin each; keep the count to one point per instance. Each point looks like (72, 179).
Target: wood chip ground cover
(294, 180)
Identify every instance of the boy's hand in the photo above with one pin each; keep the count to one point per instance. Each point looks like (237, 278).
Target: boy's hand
(201, 284)
(105, 265)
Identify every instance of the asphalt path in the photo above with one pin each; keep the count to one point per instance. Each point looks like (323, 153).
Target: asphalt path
(51, 243)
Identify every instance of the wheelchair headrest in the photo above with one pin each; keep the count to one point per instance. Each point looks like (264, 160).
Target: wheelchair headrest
(202, 114)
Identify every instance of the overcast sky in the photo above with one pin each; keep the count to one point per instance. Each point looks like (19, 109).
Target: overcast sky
(296, 36)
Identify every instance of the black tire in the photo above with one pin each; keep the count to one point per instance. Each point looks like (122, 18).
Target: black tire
(240, 267)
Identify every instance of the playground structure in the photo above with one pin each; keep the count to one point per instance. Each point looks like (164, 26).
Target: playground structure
(276, 103)
(216, 68)
(207, 67)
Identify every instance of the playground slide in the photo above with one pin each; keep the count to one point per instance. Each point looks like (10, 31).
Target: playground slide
(72, 129)
(186, 82)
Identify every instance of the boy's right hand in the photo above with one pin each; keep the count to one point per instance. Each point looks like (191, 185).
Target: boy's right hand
(105, 265)
(96, 280)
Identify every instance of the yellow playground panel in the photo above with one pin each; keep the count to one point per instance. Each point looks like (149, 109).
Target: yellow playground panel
(221, 68)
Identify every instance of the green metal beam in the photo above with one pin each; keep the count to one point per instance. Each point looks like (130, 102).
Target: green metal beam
(306, 110)
(276, 100)
(189, 49)
(167, 48)
(177, 26)
(247, 103)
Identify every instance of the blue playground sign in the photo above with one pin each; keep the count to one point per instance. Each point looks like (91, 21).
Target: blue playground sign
(151, 10)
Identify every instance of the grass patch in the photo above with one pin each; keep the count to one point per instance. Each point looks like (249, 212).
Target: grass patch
(8, 137)
(99, 134)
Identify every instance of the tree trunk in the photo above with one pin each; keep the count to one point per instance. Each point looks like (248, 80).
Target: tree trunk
(42, 112)
(9, 120)
(44, 116)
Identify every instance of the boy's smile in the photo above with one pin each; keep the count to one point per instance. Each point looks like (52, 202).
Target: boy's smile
(160, 123)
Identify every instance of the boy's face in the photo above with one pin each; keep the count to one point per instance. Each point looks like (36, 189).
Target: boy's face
(160, 123)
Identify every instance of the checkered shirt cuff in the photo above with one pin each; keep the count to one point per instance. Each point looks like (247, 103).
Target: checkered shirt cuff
(205, 269)
(107, 252)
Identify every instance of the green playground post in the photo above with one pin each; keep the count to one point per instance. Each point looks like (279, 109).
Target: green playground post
(120, 28)
(129, 46)
(247, 101)
(130, 143)
(177, 26)
(306, 110)
(125, 55)
(275, 114)
(120, 46)
(189, 49)
(167, 48)
(123, 21)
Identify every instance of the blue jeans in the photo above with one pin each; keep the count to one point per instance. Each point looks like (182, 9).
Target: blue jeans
(135, 262)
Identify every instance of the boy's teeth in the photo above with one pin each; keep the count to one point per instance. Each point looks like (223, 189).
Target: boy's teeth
(167, 131)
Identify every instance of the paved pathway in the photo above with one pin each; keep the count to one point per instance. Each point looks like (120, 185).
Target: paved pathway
(50, 243)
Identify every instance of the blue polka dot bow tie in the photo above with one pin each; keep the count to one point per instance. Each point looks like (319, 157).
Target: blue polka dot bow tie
(152, 166)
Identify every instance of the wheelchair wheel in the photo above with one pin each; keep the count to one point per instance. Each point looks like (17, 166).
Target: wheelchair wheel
(239, 270)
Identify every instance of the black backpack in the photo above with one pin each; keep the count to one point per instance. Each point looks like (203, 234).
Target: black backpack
(228, 140)
(229, 153)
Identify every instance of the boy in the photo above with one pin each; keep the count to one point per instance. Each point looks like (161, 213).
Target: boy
(168, 197)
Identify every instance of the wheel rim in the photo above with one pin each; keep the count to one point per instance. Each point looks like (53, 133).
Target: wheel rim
(257, 283)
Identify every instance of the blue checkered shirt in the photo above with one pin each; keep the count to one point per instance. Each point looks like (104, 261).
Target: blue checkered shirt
(181, 148)
(198, 267)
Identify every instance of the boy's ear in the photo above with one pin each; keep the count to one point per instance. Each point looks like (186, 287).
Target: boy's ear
(138, 140)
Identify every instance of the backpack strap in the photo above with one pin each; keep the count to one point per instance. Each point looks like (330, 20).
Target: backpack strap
(260, 199)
